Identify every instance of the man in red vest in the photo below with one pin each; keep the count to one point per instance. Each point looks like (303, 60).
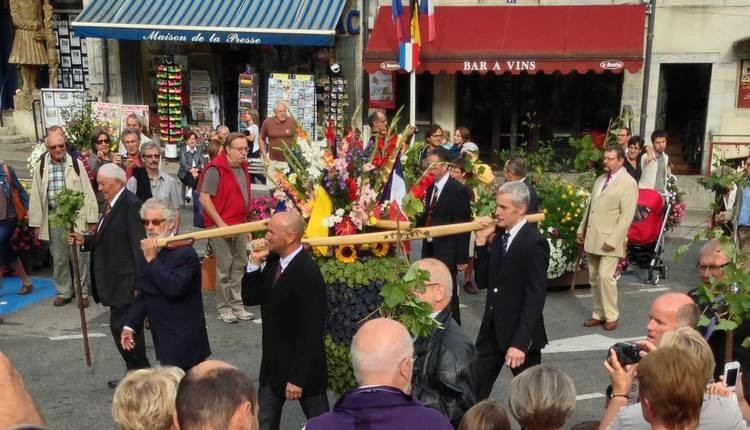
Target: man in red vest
(225, 197)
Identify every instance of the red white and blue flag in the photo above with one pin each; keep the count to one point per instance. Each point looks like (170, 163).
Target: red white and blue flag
(397, 10)
(427, 8)
(408, 56)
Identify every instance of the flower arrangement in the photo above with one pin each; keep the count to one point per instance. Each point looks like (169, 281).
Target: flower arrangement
(677, 200)
(23, 239)
(37, 150)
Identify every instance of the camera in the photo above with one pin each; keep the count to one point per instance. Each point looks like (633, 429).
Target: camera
(627, 353)
(124, 157)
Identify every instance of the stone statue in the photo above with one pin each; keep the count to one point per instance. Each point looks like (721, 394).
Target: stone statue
(28, 50)
(54, 63)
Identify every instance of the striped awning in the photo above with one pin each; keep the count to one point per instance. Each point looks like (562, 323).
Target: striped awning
(244, 22)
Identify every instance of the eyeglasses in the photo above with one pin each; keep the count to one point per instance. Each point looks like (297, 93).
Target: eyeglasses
(152, 156)
(103, 141)
(437, 135)
(154, 222)
(53, 147)
(703, 268)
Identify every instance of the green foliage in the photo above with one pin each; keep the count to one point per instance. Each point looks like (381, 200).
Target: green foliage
(485, 203)
(564, 206)
(586, 180)
(400, 302)
(615, 124)
(386, 269)
(79, 125)
(340, 373)
(412, 163)
(721, 178)
(412, 206)
(69, 203)
(538, 161)
(588, 156)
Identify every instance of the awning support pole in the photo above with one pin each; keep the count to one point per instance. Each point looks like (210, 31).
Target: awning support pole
(413, 97)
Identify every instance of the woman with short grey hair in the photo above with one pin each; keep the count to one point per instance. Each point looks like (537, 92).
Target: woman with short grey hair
(542, 398)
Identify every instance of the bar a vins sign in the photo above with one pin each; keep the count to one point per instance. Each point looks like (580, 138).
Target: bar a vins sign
(524, 65)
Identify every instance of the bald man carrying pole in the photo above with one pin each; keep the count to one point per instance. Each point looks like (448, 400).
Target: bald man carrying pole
(292, 296)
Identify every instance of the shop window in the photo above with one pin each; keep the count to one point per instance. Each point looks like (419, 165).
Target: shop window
(424, 97)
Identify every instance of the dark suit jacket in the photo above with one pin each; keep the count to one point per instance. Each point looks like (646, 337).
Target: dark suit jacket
(294, 313)
(533, 198)
(116, 252)
(516, 290)
(453, 206)
(169, 293)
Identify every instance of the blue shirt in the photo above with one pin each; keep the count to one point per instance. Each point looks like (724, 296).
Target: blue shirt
(744, 218)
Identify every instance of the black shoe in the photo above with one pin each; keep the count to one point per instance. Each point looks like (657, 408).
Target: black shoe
(113, 383)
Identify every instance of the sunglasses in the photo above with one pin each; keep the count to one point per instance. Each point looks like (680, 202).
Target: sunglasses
(53, 147)
(154, 222)
(103, 141)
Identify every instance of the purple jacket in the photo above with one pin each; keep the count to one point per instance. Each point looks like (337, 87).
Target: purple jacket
(376, 408)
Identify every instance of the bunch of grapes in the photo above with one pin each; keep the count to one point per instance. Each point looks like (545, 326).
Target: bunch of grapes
(347, 307)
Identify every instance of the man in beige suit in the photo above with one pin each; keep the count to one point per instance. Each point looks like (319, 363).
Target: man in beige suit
(603, 232)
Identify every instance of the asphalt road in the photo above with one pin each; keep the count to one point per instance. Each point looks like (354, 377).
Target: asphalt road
(70, 395)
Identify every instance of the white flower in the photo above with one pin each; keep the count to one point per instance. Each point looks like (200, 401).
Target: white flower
(340, 212)
(293, 177)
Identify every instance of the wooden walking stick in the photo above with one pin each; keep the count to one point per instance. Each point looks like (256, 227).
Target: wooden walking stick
(65, 214)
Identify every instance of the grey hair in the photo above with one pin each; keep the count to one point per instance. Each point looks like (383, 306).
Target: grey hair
(380, 361)
(518, 192)
(542, 397)
(157, 204)
(279, 103)
(148, 146)
(516, 166)
(112, 171)
(131, 130)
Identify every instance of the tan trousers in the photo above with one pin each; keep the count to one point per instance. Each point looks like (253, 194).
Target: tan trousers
(62, 264)
(603, 286)
(231, 261)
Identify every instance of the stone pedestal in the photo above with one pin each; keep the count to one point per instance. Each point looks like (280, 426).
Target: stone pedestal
(23, 120)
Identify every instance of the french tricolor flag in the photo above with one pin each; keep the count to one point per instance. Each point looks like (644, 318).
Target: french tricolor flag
(397, 11)
(427, 8)
(408, 56)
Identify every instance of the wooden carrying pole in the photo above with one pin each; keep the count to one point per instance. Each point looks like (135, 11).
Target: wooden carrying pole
(79, 298)
(354, 239)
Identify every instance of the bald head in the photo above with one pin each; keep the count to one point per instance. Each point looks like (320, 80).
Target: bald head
(438, 289)
(381, 354)
(669, 312)
(285, 230)
(711, 261)
(206, 367)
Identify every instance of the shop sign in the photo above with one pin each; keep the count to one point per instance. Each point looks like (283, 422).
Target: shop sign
(389, 65)
(200, 37)
(349, 23)
(743, 90)
(499, 66)
(611, 65)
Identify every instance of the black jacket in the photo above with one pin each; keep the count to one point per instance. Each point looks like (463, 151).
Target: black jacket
(169, 293)
(116, 252)
(293, 312)
(453, 206)
(516, 290)
(445, 374)
(533, 198)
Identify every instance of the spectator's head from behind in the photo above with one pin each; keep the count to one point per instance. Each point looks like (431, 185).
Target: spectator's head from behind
(623, 136)
(689, 339)
(383, 354)
(56, 143)
(110, 179)
(131, 139)
(235, 147)
(613, 159)
(284, 234)
(223, 132)
(485, 415)
(214, 147)
(542, 398)
(378, 123)
(215, 395)
(670, 384)
(159, 220)
(711, 261)
(669, 312)
(145, 398)
(512, 203)
(514, 170)
(635, 147)
(438, 289)
(659, 140)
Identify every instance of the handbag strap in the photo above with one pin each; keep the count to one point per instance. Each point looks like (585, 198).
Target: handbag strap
(10, 177)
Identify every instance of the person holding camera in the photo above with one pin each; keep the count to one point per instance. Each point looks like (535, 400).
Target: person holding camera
(719, 408)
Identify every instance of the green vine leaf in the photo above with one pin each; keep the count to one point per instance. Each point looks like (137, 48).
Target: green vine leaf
(69, 204)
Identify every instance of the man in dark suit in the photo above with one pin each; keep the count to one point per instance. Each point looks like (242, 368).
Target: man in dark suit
(291, 293)
(513, 269)
(169, 293)
(447, 202)
(115, 255)
(515, 171)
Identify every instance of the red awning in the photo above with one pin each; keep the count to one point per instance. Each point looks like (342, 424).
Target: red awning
(515, 39)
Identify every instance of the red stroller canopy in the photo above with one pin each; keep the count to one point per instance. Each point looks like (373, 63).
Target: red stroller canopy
(648, 219)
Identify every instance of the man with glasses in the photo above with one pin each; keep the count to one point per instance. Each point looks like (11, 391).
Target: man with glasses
(169, 293)
(150, 181)
(276, 131)
(131, 140)
(623, 135)
(383, 361)
(225, 197)
(59, 174)
(115, 247)
(446, 202)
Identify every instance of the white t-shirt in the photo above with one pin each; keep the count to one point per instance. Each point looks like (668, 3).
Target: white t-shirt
(253, 129)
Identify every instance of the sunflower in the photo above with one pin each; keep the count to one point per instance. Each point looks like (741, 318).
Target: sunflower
(346, 254)
(380, 249)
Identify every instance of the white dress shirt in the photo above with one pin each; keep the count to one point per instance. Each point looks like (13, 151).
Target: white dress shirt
(283, 261)
(514, 232)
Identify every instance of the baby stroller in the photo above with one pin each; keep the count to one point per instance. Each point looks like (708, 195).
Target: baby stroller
(647, 232)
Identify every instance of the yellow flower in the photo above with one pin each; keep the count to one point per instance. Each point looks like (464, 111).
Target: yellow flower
(564, 196)
(380, 249)
(544, 210)
(372, 221)
(346, 254)
(567, 214)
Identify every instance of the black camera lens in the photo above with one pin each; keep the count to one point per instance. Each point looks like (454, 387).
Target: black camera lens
(627, 353)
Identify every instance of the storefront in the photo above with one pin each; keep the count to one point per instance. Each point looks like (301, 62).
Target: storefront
(225, 57)
(516, 74)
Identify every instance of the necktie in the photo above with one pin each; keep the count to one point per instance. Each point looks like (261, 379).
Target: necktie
(107, 208)
(606, 182)
(431, 208)
(503, 245)
(277, 274)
